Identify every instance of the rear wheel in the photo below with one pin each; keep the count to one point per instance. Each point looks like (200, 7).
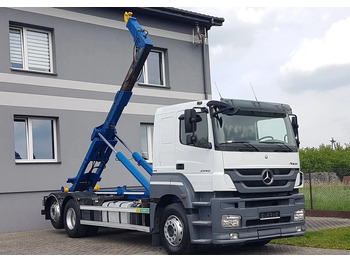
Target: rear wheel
(175, 235)
(55, 214)
(72, 219)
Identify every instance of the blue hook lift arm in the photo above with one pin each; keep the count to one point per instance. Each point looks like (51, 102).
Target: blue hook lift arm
(104, 136)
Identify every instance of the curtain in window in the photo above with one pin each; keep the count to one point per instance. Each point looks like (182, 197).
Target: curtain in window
(38, 51)
(16, 55)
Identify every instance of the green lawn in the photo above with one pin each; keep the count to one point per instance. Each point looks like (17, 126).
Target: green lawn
(334, 197)
(337, 238)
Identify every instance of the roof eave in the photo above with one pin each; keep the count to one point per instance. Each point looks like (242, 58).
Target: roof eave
(185, 16)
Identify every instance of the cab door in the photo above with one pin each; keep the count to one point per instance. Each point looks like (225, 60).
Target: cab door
(195, 153)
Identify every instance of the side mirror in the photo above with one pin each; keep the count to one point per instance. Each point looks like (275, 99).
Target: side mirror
(190, 121)
(295, 126)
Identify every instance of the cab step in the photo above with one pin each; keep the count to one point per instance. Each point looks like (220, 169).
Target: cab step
(201, 204)
(202, 241)
(202, 223)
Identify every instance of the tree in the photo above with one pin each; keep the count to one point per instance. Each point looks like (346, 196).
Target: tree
(326, 159)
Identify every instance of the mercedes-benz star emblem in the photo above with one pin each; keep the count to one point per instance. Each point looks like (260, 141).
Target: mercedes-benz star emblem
(267, 177)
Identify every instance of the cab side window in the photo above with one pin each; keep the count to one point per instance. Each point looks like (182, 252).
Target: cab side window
(200, 137)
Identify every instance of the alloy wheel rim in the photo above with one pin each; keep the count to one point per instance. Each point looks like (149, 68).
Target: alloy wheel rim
(173, 230)
(71, 218)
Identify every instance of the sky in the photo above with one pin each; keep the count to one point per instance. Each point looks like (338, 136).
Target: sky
(294, 55)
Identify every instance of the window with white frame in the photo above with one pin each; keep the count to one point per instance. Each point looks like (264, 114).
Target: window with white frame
(35, 139)
(147, 142)
(153, 72)
(30, 49)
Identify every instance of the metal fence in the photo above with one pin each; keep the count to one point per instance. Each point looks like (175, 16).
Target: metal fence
(327, 191)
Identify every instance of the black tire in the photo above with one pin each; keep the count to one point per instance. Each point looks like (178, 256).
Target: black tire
(174, 232)
(55, 213)
(72, 219)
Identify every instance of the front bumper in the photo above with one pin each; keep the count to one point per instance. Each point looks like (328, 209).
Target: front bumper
(262, 219)
(247, 235)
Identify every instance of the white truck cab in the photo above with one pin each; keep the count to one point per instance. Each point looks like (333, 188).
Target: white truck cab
(248, 139)
(233, 166)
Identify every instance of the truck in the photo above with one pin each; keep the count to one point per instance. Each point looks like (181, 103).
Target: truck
(224, 172)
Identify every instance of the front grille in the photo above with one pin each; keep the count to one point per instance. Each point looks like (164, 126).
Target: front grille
(258, 171)
(261, 184)
(267, 203)
(258, 222)
(251, 180)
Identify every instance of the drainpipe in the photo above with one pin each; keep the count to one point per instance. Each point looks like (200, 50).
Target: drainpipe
(204, 54)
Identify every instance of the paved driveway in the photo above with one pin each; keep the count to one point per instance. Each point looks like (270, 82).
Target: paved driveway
(123, 242)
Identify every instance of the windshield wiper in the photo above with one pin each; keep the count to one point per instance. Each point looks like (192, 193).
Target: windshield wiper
(282, 146)
(248, 146)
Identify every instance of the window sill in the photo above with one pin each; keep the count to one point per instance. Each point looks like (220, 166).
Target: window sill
(152, 85)
(33, 71)
(26, 162)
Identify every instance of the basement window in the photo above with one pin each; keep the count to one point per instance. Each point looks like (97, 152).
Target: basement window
(35, 139)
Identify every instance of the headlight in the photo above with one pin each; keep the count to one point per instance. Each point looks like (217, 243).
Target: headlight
(231, 221)
(299, 215)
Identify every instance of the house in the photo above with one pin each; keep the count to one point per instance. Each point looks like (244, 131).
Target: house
(59, 71)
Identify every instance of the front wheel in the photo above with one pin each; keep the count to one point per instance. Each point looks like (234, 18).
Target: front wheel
(55, 213)
(72, 219)
(175, 235)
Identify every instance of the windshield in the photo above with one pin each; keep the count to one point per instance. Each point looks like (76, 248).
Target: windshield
(254, 131)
